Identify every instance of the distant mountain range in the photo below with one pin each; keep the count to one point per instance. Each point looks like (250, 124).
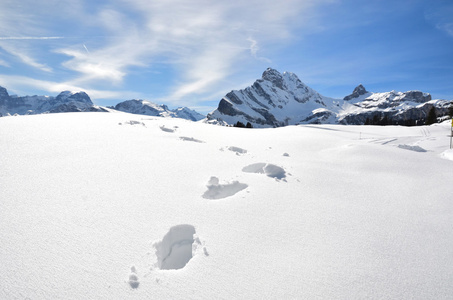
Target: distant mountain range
(29, 105)
(282, 99)
(275, 100)
(80, 102)
(143, 107)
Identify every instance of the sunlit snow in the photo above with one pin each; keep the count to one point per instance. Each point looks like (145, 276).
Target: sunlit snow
(122, 206)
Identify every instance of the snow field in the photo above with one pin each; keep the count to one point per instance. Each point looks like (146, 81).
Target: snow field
(90, 208)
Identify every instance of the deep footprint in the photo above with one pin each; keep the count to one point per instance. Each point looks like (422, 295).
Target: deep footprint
(133, 278)
(175, 249)
(163, 128)
(238, 150)
(190, 139)
(133, 122)
(264, 168)
(219, 191)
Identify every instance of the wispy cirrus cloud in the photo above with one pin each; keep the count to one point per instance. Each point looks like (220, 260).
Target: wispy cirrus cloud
(446, 27)
(24, 57)
(31, 37)
(203, 42)
(441, 15)
(4, 63)
(18, 83)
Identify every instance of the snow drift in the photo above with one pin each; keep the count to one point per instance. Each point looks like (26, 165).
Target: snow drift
(93, 209)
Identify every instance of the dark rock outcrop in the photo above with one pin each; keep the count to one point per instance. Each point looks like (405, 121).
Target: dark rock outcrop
(273, 100)
(358, 91)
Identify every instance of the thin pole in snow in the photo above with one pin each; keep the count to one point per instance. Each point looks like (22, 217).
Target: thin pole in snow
(451, 133)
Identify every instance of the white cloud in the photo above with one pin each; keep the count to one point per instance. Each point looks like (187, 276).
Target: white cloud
(31, 37)
(441, 15)
(254, 48)
(4, 63)
(446, 27)
(23, 56)
(205, 42)
(208, 41)
(19, 83)
(19, 26)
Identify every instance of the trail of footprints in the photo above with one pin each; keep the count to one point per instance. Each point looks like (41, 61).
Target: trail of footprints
(181, 243)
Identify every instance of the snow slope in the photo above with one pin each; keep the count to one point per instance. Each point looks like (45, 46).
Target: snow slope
(122, 206)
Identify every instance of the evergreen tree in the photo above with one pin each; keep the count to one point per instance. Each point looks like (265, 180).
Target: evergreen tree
(432, 118)
(367, 121)
(375, 120)
(384, 121)
(249, 125)
(450, 111)
(239, 124)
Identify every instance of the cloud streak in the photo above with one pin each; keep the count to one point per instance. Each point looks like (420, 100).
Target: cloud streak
(203, 41)
(207, 45)
(31, 37)
(17, 83)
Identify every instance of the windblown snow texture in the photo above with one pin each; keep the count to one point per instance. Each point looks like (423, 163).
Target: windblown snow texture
(90, 209)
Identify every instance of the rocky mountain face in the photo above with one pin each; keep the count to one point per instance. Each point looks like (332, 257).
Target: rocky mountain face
(358, 91)
(272, 101)
(143, 107)
(282, 99)
(80, 102)
(29, 105)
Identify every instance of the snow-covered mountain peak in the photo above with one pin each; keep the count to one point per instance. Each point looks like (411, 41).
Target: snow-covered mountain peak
(274, 77)
(66, 101)
(358, 91)
(282, 99)
(3, 93)
(284, 81)
(274, 100)
(68, 96)
(145, 107)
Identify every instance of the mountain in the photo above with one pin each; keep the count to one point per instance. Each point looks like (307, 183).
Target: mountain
(29, 105)
(408, 108)
(68, 101)
(282, 99)
(144, 107)
(274, 100)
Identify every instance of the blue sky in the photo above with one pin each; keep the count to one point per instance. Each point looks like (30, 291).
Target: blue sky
(191, 53)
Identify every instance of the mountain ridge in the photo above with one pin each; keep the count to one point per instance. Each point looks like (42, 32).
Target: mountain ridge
(145, 107)
(66, 101)
(71, 101)
(280, 99)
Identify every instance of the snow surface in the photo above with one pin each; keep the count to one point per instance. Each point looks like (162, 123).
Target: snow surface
(91, 209)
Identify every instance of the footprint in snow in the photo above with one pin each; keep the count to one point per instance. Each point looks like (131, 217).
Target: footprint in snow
(267, 169)
(190, 139)
(133, 122)
(237, 150)
(178, 247)
(133, 278)
(219, 191)
(163, 128)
